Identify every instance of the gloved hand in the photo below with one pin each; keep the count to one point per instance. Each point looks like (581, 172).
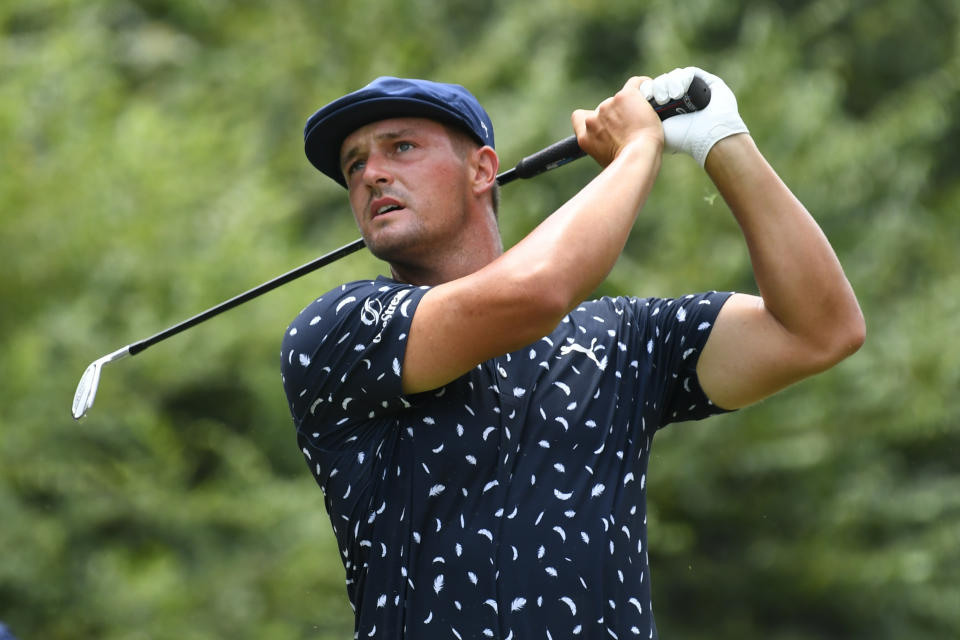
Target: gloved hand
(695, 133)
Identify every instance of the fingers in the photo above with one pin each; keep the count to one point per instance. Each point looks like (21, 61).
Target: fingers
(706, 76)
(603, 132)
(579, 120)
(678, 81)
(668, 86)
(635, 82)
(632, 84)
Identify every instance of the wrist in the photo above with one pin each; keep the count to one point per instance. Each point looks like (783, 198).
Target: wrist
(729, 153)
(641, 148)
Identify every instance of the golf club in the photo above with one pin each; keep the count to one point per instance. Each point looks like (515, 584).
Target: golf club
(557, 154)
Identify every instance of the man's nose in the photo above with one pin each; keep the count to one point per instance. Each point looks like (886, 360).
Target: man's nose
(376, 170)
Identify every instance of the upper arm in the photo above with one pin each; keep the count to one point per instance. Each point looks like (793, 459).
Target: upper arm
(464, 322)
(750, 355)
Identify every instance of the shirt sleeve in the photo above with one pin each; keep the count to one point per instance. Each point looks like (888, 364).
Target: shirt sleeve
(342, 356)
(677, 331)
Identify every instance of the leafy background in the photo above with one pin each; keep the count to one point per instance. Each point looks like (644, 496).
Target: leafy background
(152, 166)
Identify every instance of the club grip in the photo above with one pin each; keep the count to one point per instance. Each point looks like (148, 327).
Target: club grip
(696, 98)
(559, 153)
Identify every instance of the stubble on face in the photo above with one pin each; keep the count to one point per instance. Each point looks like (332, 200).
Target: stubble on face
(426, 182)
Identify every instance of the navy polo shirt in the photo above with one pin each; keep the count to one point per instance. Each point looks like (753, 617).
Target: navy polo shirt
(510, 503)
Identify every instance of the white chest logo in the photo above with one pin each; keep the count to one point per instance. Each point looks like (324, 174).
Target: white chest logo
(372, 308)
(385, 317)
(590, 352)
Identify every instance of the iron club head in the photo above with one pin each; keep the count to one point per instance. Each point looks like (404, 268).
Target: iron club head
(87, 388)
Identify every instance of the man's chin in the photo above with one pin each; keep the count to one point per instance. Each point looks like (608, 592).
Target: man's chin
(390, 248)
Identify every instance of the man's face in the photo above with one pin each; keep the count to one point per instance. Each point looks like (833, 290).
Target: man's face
(408, 186)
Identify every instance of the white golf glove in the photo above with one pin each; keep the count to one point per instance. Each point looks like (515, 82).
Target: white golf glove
(695, 133)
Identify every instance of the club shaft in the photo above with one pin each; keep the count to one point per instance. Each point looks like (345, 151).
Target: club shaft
(246, 296)
(556, 155)
(551, 157)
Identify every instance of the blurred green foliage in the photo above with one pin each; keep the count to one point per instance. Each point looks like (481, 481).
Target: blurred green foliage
(152, 167)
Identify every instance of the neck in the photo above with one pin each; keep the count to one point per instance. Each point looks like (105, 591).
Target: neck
(472, 252)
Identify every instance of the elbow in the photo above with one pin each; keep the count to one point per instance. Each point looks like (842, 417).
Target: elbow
(844, 339)
(852, 332)
(858, 333)
(854, 336)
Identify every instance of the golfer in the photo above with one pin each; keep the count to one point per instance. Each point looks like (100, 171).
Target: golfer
(480, 430)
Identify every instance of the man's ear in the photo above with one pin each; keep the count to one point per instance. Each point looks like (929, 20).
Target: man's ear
(485, 165)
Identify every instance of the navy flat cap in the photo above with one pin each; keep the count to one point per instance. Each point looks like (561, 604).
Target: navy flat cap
(388, 97)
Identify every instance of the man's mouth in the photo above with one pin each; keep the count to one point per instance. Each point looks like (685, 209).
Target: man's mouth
(387, 208)
(383, 206)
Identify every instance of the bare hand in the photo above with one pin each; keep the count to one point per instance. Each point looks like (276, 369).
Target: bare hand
(616, 122)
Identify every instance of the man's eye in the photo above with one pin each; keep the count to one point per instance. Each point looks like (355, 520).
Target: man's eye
(353, 167)
(404, 146)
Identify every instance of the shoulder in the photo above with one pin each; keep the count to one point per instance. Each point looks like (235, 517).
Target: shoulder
(345, 347)
(358, 291)
(367, 301)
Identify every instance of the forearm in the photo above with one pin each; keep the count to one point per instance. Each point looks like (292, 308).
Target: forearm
(572, 251)
(798, 274)
(523, 294)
